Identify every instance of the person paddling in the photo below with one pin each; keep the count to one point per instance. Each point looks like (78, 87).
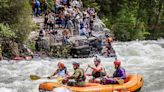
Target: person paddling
(119, 75)
(78, 77)
(98, 71)
(61, 71)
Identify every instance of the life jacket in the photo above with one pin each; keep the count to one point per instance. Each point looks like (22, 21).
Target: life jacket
(99, 74)
(62, 72)
(109, 39)
(81, 77)
(120, 72)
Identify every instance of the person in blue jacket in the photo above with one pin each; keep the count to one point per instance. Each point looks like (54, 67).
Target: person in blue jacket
(36, 7)
(118, 74)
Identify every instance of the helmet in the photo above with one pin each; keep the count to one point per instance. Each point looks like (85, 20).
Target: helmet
(76, 63)
(117, 62)
(61, 63)
(97, 59)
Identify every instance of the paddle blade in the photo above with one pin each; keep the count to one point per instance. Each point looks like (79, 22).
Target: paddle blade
(60, 79)
(120, 81)
(34, 77)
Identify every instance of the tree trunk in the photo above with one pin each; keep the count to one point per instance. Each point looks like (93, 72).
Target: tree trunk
(1, 57)
(159, 12)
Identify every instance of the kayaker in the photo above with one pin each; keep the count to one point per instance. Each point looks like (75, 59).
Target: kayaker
(98, 71)
(118, 76)
(61, 71)
(78, 77)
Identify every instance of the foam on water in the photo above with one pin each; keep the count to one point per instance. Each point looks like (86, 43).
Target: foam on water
(143, 57)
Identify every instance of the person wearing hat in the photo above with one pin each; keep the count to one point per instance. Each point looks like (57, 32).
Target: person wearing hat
(98, 71)
(78, 76)
(61, 71)
(118, 76)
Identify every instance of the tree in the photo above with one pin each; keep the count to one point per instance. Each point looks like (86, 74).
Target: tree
(17, 16)
(138, 19)
(5, 32)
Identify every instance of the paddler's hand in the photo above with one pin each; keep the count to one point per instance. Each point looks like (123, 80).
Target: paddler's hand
(108, 76)
(89, 66)
(88, 74)
(49, 77)
(115, 79)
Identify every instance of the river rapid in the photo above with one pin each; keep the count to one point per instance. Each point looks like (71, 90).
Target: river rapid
(142, 57)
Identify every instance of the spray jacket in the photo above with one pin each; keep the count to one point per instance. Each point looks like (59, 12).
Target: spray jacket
(120, 72)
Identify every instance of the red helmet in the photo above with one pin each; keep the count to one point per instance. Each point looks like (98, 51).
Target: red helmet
(117, 62)
(61, 63)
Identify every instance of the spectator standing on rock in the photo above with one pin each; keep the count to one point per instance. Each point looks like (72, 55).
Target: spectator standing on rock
(70, 26)
(56, 5)
(51, 21)
(44, 5)
(83, 27)
(65, 36)
(36, 8)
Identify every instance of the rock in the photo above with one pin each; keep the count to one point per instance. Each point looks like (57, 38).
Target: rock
(77, 39)
(14, 49)
(42, 44)
(98, 25)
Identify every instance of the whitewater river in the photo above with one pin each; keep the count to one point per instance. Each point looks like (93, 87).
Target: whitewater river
(145, 57)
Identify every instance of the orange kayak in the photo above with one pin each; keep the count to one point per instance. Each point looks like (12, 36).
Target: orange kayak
(132, 83)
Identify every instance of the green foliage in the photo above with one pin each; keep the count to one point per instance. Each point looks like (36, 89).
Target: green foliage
(51, 4)
(131, 20)
(31, 44)
(91, 4)
(17, 16)
(61, 51)
(5, 32)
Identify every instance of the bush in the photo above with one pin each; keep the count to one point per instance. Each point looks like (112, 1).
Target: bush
(17, 16)
(5, 32)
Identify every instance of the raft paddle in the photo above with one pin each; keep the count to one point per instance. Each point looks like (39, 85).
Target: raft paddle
(86, 69)
(120, 81)
(35, 77)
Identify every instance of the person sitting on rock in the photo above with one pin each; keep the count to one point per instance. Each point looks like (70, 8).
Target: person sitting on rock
(65, 34)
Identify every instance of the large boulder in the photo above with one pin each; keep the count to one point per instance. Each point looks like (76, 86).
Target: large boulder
(98, 25)
(42, 44)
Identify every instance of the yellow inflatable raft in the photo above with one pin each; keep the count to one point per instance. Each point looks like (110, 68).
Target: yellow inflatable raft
(133, 83)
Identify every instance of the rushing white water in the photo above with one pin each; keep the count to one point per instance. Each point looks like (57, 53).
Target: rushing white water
(145, 57)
